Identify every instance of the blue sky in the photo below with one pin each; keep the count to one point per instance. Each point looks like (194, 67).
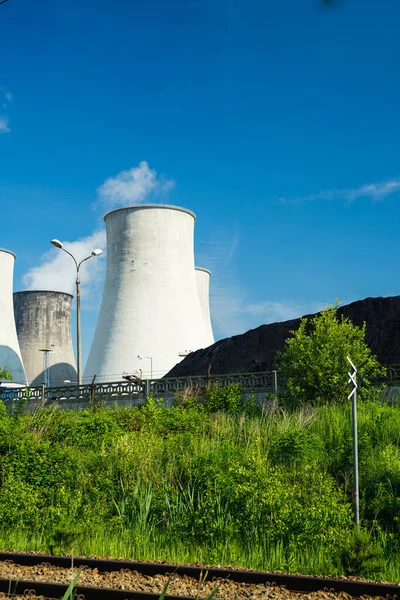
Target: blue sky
(277, 122)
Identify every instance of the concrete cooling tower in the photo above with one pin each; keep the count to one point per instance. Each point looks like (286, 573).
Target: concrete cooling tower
(150, 307)
(203, 288)
(43, 321)
(10, 355)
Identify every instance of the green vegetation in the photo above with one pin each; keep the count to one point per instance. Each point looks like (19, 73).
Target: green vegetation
(268, 489)
(70, 591)
(315, 364)
(5, 374)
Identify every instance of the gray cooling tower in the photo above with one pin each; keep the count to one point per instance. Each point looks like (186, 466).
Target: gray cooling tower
(10, 354)
(43, 320)
(203, 288)
(150, 310)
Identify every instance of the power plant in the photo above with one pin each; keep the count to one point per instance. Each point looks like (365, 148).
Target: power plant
(203, 288)
(151, 311)
(155, 306)
(43, 322)
(10, 354)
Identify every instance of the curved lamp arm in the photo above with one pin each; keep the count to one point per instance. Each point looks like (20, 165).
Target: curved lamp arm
(96, 252)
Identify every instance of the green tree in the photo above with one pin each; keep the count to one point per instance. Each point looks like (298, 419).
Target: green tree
(5, 374)
(314, 359)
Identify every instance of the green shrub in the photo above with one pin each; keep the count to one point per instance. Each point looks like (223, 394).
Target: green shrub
(196, 483)
(364, 556)
(296, 446)
(5, 374)
(314, 360)
(226, 399)
(19, 503)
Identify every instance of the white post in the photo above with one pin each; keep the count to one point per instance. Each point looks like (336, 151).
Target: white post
(353, 396)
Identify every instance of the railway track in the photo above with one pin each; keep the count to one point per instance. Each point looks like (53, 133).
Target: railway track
(56, 591)
(121, 570)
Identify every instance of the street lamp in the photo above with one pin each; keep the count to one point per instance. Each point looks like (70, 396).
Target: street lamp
(150, 358)
(96, 252)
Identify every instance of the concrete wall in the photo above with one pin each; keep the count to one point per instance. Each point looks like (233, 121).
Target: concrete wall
(10, 354)
(43, 320)
(203, 288)
(32, 406)
(150, 304)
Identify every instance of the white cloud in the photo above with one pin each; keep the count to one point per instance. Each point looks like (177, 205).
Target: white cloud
(4, 126)
(274, 311)
(233, 309)
(233, 313)
(57, 270)
(9, 96)
(132, 186)
(374, 191)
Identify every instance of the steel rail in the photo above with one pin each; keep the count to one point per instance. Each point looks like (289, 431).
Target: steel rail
(57, 590)
(295, 583)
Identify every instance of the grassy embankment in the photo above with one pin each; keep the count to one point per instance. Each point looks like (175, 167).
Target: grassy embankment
(267, 490)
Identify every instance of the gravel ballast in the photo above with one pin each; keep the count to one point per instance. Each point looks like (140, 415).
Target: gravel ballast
(133, 581)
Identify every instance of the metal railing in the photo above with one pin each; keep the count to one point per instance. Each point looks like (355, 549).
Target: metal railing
(86, 393)
(392, 376)
(137, 390)
(248, 381)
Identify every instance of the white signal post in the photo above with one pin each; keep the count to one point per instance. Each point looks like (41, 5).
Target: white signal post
(353, 397)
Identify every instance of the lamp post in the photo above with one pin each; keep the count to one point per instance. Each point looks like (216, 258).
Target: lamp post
(96, 252)
(150, 358)
(46, 370)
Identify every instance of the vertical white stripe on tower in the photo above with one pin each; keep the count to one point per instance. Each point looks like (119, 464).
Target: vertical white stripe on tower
(203, 287)
(10, 354)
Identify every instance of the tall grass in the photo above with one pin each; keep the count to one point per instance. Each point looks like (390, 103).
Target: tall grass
(269, 490)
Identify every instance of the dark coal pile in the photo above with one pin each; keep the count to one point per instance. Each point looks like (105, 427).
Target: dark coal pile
(256, 349)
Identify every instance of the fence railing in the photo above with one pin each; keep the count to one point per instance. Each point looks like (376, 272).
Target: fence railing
(138, 390)
(392, 376)
(249, 381)
(85, 393)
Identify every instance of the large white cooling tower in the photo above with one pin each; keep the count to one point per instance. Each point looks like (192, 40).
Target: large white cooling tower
(150, 306)
(43, 321)
(10, 355)
(203, 287)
